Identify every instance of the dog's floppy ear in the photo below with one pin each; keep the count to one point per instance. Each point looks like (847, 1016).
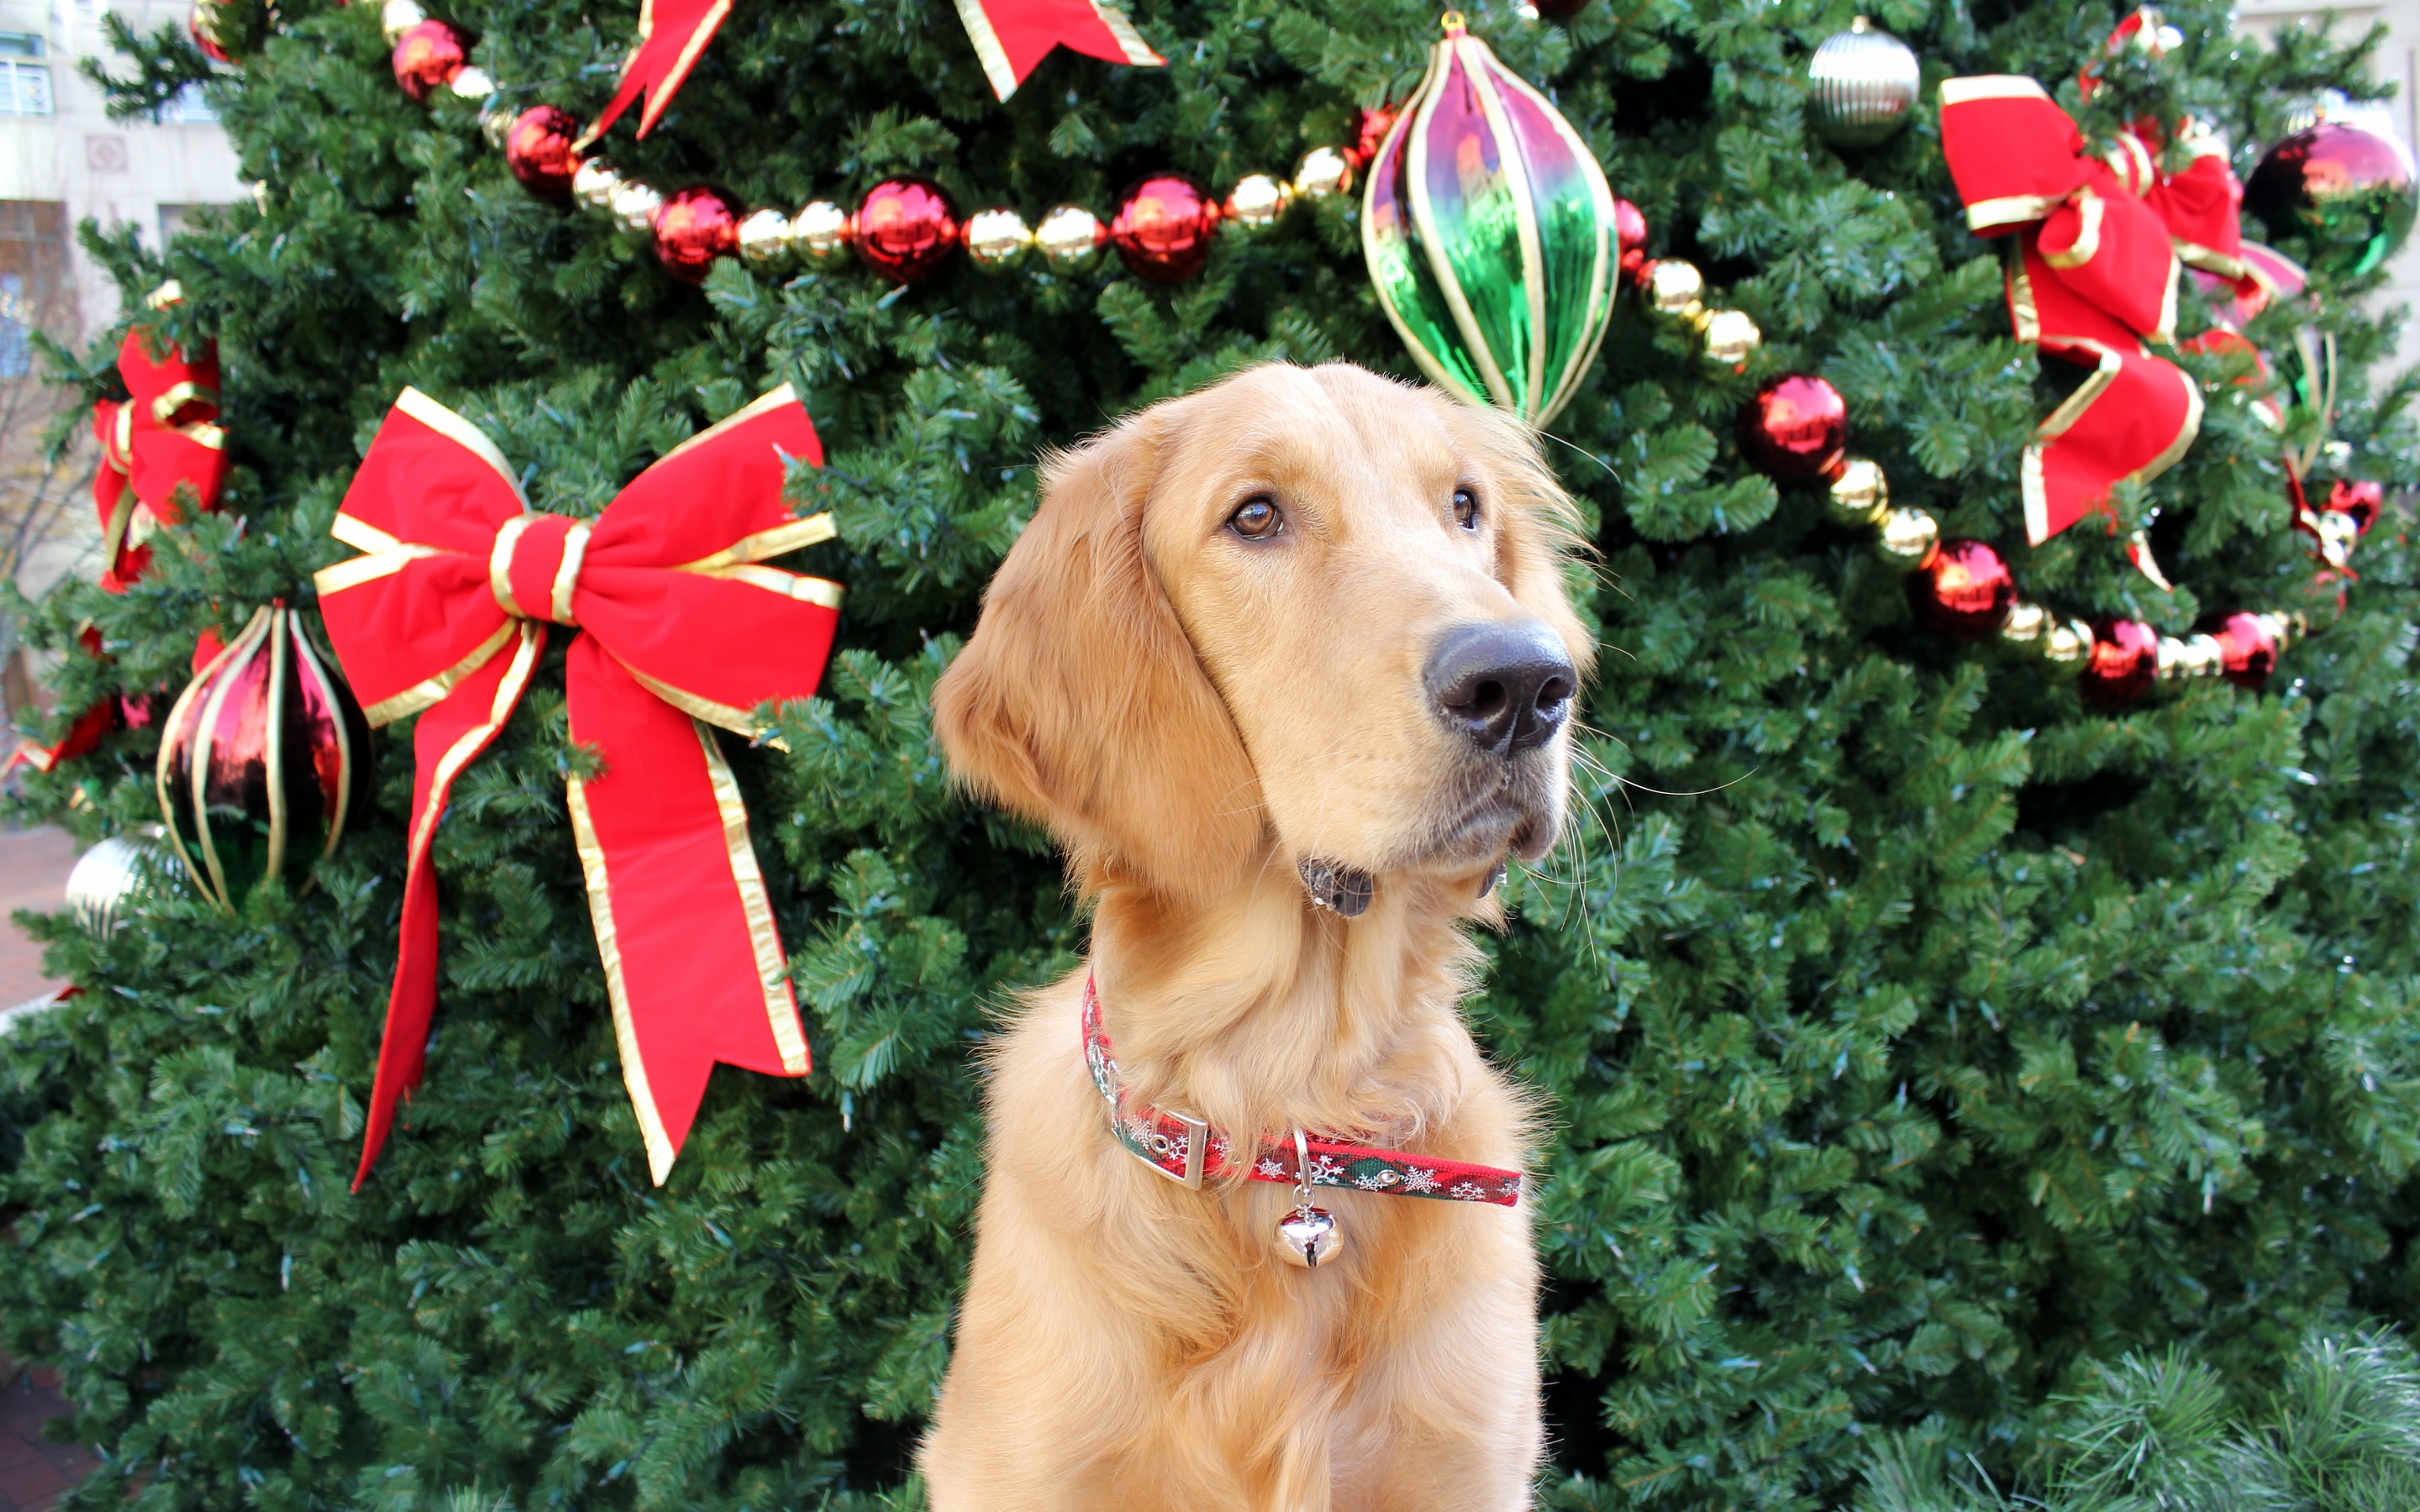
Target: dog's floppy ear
(1079, 701)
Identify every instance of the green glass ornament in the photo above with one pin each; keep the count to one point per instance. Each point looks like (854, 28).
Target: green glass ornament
(1488, 228)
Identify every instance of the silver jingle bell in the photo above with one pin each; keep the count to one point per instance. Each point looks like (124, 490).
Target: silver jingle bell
(1308, 1237)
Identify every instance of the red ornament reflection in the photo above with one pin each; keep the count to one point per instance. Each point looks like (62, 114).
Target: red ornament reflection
(538, 149)
(1630, 234)
(906, 229)
(1163, 227)
(1965, 591)
(1796, 426)
(427, 56)
(2247, 652)
(694, 226)
(2362, 500)
(1369, 137)
(2125, 658)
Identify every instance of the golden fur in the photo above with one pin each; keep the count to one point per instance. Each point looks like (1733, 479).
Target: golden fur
(1193, 715)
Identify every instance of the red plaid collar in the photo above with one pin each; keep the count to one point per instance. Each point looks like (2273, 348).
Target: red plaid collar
(1186, 1150)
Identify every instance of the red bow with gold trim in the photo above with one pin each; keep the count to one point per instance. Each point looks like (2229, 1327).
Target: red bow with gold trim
(2093, 280)
(165, 435)
(1010, 36)
(679, 627)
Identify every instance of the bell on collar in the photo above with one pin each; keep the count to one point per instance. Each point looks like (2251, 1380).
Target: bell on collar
(1308, 1237)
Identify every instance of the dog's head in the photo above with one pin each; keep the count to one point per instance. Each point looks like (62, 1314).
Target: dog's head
(1307, 609)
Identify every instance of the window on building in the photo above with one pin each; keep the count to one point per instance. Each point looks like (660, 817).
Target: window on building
(25, 80)
(36, 293)
(16, 327)
(187, 107)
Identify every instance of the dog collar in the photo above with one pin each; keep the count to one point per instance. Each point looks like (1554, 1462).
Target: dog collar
(1185, 1150)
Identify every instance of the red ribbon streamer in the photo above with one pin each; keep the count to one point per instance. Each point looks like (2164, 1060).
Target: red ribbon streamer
(1011, 37)
(2099, 246)
(679, 627)
(165, 436)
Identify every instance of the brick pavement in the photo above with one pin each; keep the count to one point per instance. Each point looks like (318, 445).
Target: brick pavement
(34, 1473)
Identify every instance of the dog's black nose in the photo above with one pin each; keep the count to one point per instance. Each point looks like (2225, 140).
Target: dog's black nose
(1506, 683)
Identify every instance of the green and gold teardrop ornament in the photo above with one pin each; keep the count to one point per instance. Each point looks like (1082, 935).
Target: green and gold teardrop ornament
(1488, 230)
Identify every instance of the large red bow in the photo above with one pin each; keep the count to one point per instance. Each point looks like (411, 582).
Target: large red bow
(1010, 36)
(2094, 278)
(680, 627)
(165, 435)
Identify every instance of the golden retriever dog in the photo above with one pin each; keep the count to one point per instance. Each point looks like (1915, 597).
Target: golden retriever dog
(1286, 667)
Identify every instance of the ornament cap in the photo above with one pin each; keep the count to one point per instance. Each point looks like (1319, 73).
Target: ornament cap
(1453, 23)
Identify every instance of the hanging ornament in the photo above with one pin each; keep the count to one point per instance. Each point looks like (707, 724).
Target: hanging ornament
(428, 57)
(997, 240)
(2344, 518)
(820, 233)
(107, 882)
(1488, 232)
(1163, 227)
(694, 226)
(2338, 196)
(263, 760)
(203, 25)
(1258, 202)
(1964, 591)
(906, 229)
(1070, 237)
(539, 149)
(1796, 426)
(1862, 86)
(2123, 663)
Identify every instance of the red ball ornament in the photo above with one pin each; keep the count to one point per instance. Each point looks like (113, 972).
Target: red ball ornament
(2361, 500)
(906, 229)
(2247, 651)
(1965, 591)
(203, 25)
(1369, 137)
(428, 55)
(694, 226)
(2125, 658)
(1630, 233)
(1796, 426)
(1163, 227)
(538, 149)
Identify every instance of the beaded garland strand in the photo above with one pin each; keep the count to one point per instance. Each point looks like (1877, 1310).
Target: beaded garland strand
(906, 229)
(1796, 429)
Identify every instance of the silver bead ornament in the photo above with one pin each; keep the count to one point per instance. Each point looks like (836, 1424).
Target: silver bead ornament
(998, 240)
(2188, 656)
(1731, 337)
(1323, 172)
(107, 882)
(820, 233)
(2069, 646)
(471, 82)
(398, 17)
(1860, 494)
(1070, 237)
(764, 238)
(496, 118)
(1258, 202)
(633, 208)
(1862, 86)
(1907, 539)
(1674, 288)
(593, 182)
(2027, 625)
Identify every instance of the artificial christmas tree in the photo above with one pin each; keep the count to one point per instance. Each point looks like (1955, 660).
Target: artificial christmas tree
(1914, 1034)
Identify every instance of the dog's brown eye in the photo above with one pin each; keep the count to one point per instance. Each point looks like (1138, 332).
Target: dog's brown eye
(1466, 509)
(1256, 520)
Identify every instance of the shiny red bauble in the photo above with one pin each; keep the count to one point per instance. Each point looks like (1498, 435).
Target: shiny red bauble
(2247, 652)
(694, 226)
(538, 149)
(427, 56)
(1965, 591)
(1796, 426)
(1368, 135)
(906, 229)
(1630, 236)
(2360, 500)
(1163, 227)
(2124, 660)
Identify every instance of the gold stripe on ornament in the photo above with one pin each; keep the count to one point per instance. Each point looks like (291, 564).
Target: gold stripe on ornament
(1416, 192)
(345, 755)
(1516, 169)
(798, 533)
(772, 974)
(609, 951)
(276, 760)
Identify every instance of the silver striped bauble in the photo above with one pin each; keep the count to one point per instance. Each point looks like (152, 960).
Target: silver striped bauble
(106, 880)
(1862, 86)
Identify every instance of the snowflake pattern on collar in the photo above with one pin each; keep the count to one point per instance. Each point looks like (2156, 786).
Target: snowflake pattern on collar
(1165, 1143)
